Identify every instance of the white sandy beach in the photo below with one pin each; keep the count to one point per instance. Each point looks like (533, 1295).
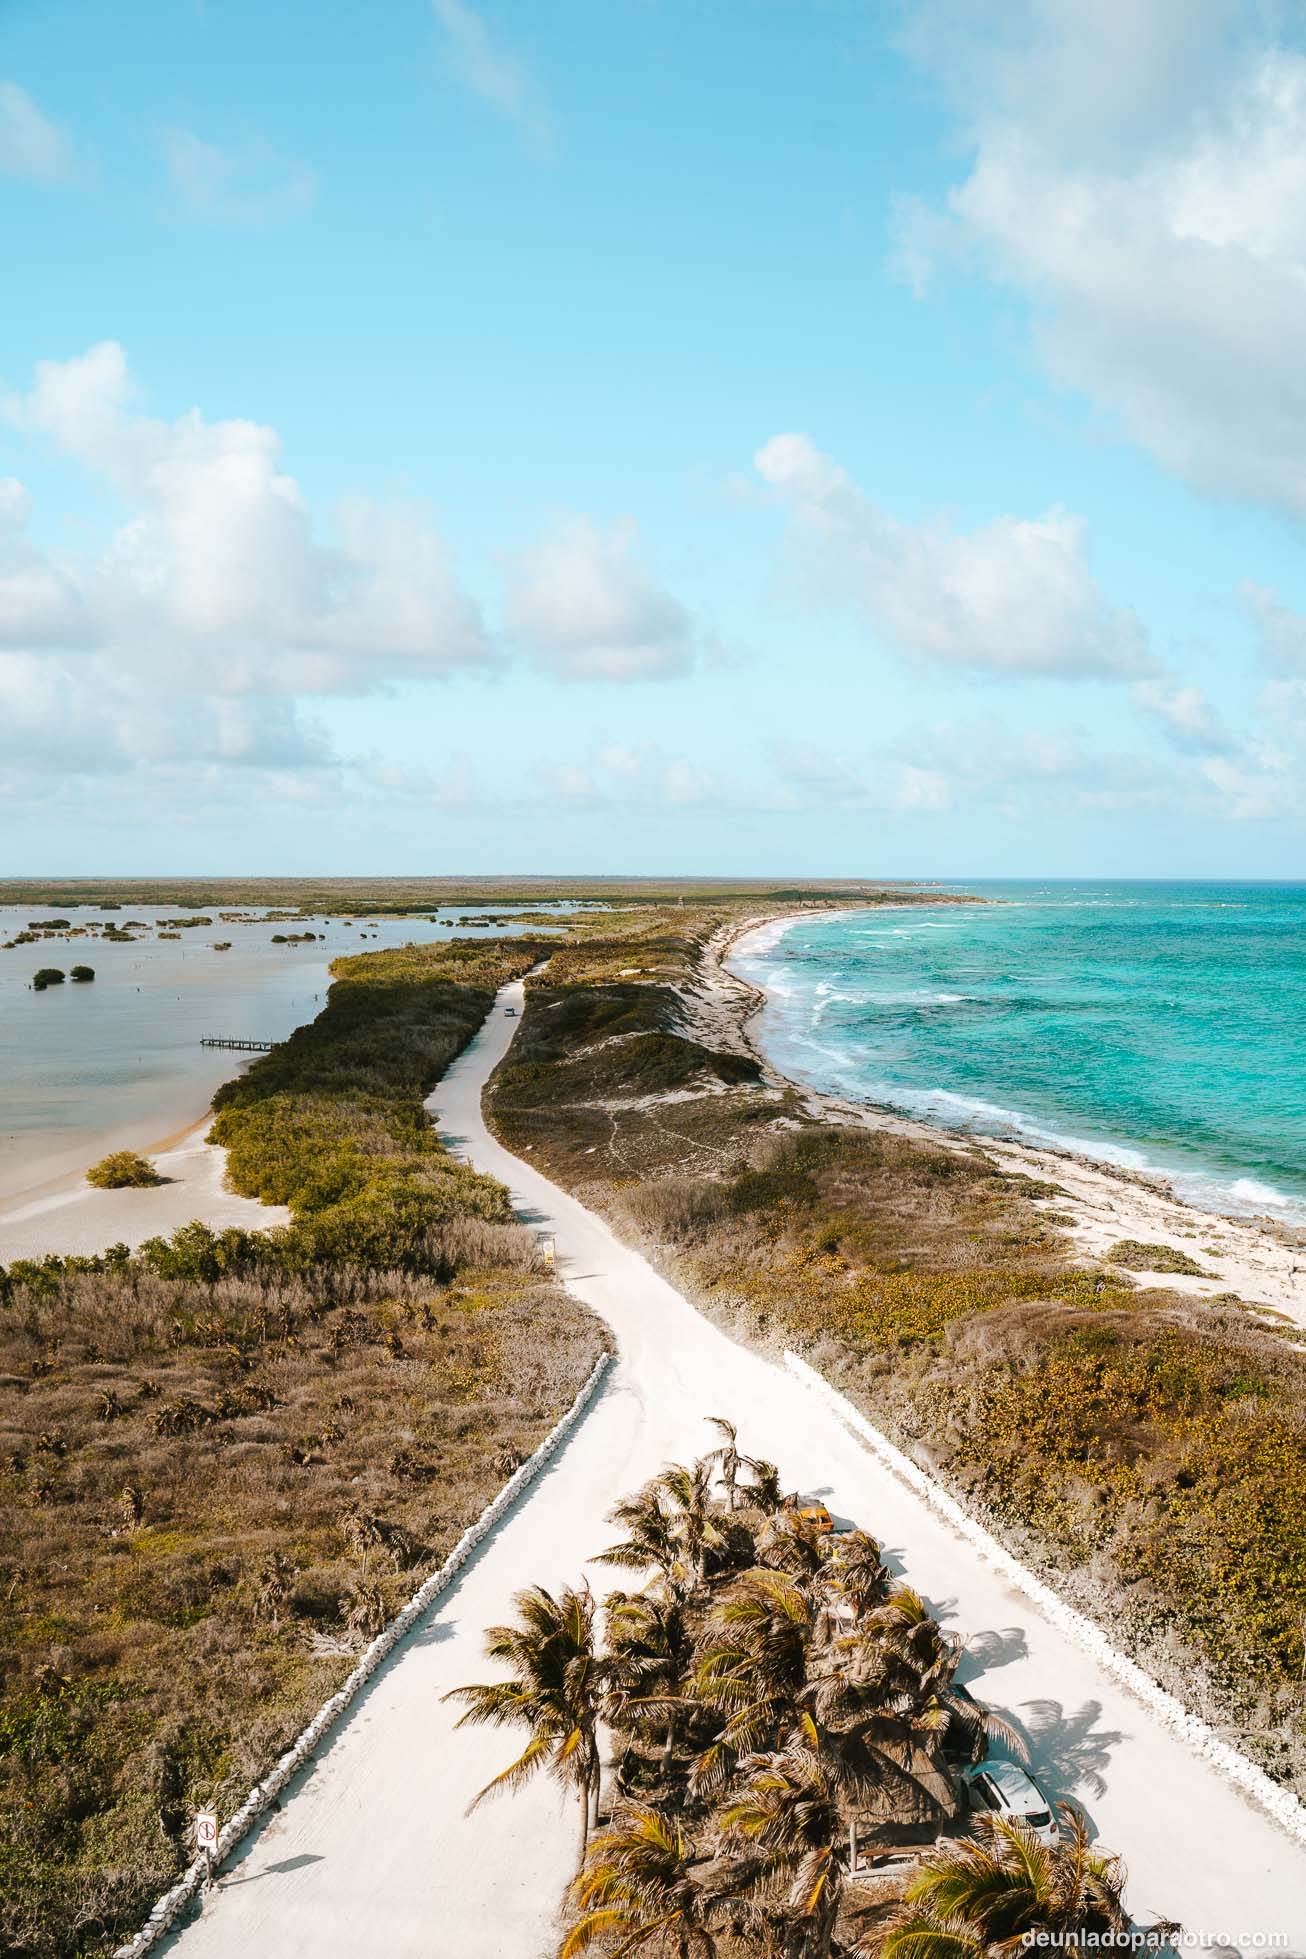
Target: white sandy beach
(1257, 1258)
(372, 1851)
(72, 1217)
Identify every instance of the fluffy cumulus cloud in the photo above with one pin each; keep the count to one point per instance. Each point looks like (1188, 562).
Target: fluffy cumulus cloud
(217, 606)
(1139, 173)
(1014, 595)
(31, 146)
(220, 567)
(583, 607)
(246, 182)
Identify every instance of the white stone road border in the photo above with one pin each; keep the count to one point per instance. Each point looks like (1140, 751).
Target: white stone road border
(1277, 1802)
(311, 1738)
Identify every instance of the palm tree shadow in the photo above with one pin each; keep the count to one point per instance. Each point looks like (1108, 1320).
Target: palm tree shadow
(986, 1651)
(1069, 1752)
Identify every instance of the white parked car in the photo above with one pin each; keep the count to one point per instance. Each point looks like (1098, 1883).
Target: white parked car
(1004, 1789)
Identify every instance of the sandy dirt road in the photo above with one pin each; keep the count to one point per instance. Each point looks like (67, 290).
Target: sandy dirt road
(371, 1853)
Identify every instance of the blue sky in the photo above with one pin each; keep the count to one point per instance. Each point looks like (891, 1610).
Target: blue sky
(795, 437)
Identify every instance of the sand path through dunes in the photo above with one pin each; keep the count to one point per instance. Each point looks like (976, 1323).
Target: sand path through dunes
(371, 1852)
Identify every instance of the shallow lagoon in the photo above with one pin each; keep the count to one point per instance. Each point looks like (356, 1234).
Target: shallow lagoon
(118, 1061)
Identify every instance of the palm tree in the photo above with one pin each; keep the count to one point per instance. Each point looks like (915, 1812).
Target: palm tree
(554, 1690)
(638, 1884)
(792, 1543)
(648, 1654)
(765, 1492)
(689, 1492)
(788, 1809)
(984, 1894)
(651, 1542)
(917, 1662)
(914, 1650)
(727, 1457)
(753, 1671)
(860, 1573)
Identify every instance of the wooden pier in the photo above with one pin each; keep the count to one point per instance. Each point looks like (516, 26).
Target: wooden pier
(248, 1047)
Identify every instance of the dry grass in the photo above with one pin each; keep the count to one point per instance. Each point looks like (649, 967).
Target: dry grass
(211, 1496)
(226, 1462)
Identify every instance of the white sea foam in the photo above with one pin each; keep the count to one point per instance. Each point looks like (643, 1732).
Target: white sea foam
(854, 1071)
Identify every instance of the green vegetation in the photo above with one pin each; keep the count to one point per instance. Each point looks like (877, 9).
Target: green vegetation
(331, 1123)
(47, 976)
(1138, 1257)
(1146, 1448)
(123, 1169)
(776, 1706)
(373, 897)
(226, 1461)
(82, 974)
(48, 924)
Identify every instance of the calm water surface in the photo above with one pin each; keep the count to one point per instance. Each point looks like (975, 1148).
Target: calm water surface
(1160, 1026)
(120, 1060)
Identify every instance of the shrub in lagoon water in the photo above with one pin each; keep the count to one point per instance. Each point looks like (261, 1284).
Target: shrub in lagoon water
(123, 1169)
(82, 973)
(47, 976)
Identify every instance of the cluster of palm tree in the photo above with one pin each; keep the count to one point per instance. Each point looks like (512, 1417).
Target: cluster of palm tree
(774, 1707)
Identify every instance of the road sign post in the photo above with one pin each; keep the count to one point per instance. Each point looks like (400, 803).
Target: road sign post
(206, 1836)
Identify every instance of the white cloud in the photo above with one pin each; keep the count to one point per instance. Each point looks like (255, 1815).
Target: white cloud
(1142, 179)
(1014, 595)
(40, 603)
(1185, 713)
(820, 777)
(31, 146)
(1282, 631)
(99, 716)
(490, 70)
(241, 183)
(644, 777)
(219, 572)
(1255, 789)
(582, 607)
(452, 788)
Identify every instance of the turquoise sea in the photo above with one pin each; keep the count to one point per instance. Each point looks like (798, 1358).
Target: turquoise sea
(1157, 1026)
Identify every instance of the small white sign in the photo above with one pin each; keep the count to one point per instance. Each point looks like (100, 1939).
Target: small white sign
(206, 1829)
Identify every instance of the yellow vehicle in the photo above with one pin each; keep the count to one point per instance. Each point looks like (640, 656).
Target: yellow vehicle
(816, 1513)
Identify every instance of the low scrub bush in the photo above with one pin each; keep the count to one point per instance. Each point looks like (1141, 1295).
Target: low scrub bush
(1138, 1257)
(122, 1169)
